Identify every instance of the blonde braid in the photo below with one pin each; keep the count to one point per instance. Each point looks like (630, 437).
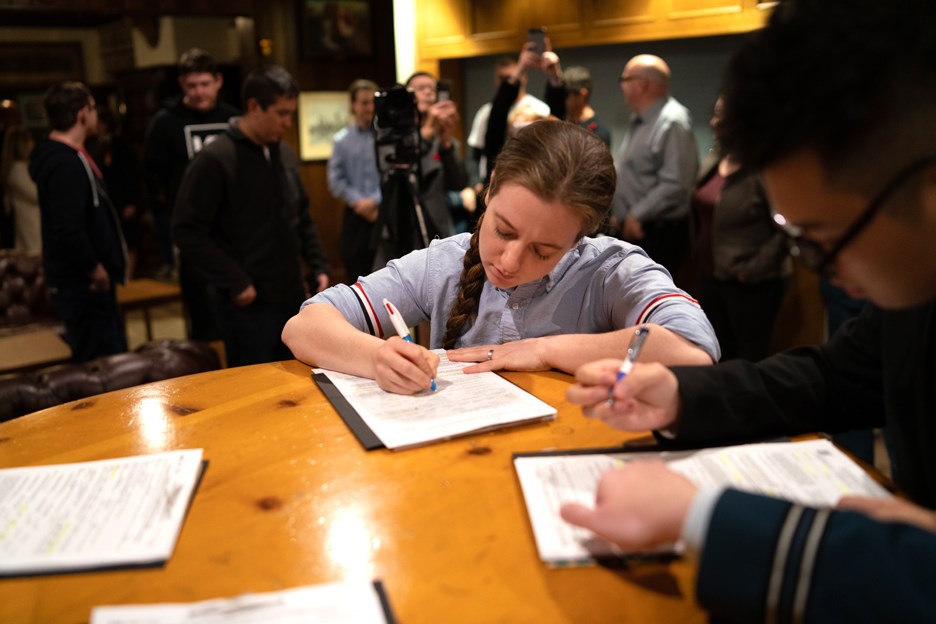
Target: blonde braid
(465, 307)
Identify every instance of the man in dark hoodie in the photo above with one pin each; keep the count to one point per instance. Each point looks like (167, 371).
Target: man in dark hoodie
(84, 255)
(175, 135)
(242, 220)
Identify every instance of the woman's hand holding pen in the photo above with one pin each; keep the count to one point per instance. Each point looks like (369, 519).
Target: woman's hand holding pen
(647, 398)
(404, 367)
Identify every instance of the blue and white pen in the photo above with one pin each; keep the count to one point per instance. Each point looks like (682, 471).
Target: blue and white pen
(401, 329)
(633, 351)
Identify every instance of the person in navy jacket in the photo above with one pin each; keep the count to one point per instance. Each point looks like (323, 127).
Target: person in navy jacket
(834, 104)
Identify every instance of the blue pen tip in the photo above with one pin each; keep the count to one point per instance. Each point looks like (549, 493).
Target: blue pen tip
(433, 386)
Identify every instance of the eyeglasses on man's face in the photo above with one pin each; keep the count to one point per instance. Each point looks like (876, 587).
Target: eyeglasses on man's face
(813, 254)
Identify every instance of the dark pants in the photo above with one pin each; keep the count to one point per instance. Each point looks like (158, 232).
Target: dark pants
(742, 315)
(162, 223)
(200, 306)
(93, 325)
(252, 334)
(356, 252)
(666, 241)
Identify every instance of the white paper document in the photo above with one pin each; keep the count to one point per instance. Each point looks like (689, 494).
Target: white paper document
(812, 473)
(95, 514)
(461, 404)
(347, 602)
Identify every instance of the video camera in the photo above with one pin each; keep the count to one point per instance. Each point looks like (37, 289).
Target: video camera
(396, 125)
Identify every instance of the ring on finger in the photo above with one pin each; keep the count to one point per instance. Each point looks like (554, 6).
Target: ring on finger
(490, 354)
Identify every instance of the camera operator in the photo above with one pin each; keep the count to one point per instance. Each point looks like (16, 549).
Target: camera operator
(440, 170)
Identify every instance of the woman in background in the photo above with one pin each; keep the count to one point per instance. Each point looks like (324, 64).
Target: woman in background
(742, 258)
(20, 194)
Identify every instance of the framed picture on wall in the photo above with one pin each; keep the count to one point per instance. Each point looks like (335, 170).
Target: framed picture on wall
(32, 110)
(335, 29)
(321, 115)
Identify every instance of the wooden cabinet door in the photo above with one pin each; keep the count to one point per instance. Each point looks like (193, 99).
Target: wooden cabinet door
(441, 23)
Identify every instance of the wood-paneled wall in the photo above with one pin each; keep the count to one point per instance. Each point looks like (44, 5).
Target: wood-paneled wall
(463, 28)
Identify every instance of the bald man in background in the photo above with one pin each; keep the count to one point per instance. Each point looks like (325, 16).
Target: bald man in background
(656, 165)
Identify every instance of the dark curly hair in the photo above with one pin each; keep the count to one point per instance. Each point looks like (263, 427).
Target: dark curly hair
(854, 81)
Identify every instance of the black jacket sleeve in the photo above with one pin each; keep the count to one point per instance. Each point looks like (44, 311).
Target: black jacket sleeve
(555, 98)
(201, 197)
(496, 134)
(834, 387)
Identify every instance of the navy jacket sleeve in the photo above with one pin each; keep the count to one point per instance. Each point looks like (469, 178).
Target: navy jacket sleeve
(765, 559)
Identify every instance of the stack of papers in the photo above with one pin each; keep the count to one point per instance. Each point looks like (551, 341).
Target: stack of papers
(811, 473)
(350, 602)
(99, 514)
(461, 404)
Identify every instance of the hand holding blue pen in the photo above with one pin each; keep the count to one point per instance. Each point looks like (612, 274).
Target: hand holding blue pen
(633, 351)
(402, 330)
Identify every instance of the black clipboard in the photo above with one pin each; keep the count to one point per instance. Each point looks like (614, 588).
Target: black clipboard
(356, 424)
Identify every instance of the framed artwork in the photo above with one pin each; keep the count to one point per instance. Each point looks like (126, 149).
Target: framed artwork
(32, 110)
(331, 29)
(321, 115)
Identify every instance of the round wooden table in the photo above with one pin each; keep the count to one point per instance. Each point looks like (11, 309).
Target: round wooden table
(290, 498)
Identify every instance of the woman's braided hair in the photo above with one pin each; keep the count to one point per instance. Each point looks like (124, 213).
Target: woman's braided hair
(559, 162)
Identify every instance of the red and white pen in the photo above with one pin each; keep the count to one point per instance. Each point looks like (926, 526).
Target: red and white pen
(401, 329)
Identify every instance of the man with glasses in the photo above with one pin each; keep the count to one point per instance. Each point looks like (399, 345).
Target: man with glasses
(834, 103)
(656, 165)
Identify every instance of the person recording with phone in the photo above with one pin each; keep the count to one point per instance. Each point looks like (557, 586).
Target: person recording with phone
(567, 95)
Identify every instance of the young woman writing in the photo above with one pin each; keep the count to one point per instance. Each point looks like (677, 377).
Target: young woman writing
(528, 290)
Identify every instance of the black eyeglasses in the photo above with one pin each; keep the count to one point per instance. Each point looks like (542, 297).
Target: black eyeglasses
(813, 255)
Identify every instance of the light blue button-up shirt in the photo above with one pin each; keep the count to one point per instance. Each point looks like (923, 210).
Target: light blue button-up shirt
(352, 168)
(601, 285)
(657, 164)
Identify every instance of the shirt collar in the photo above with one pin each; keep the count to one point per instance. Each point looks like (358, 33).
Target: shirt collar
(650, 113)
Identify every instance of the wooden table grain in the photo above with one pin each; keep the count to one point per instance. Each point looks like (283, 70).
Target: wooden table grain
(290, 498)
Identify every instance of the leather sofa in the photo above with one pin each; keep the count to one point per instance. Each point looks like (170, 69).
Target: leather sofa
(24, 302)
(160, 359)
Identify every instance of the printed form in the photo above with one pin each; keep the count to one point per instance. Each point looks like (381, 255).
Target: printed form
(812, 473)
(461, 404)
(94, 514)
(355, 602)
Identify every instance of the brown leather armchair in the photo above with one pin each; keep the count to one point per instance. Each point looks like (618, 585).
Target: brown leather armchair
(153, 361)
